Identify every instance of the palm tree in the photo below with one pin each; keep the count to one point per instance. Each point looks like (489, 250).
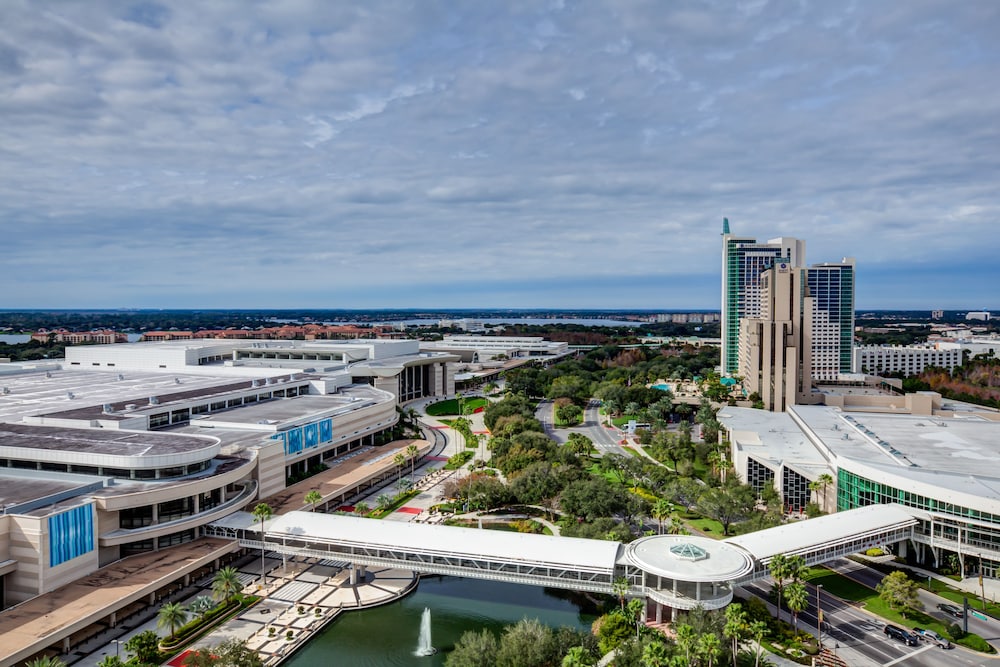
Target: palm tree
(226, 584)
(45, 661)
(621, 587)
(686, 639)
(820, 486)
(312, 497)
(412, 451)
(781, 569)
(262, 512)
(362, 509)
(655, 654)
(797, 598)
(172, 615)
(736, 624)
(757, 630)
(662, 509)
(636, 609)
(709, 647)
(400, 461)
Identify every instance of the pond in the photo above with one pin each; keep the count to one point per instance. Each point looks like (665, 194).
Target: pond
(388, 636)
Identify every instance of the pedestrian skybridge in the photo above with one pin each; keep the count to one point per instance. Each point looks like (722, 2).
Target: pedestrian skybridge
(676, 571)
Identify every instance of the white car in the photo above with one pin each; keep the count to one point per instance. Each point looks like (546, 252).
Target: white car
(931, 636)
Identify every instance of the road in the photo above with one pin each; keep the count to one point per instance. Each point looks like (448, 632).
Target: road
(858, 636)
(604, 439)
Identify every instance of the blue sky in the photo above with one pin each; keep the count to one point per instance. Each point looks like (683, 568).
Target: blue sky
(491, 154)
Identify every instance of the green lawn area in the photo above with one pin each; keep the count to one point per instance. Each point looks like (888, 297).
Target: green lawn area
(624, 419)
(450, 407)
(709, 526)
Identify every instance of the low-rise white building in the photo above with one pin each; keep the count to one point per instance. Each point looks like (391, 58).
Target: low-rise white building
(908, 359)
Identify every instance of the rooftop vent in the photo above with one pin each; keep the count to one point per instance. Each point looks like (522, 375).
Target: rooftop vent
(6, 390)
(107, 408)
(48, 374)
(130, 407)
(177, 380)
(120, 377)
(70, 395)
(153, 400)
(254, 383)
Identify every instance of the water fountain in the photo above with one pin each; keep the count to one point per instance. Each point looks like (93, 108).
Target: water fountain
(424, 643)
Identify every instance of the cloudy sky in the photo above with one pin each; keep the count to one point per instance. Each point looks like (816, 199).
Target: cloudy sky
(503, 154)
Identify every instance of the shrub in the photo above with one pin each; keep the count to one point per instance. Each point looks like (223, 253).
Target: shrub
(875, 551)
(288, 635)
(976, 643)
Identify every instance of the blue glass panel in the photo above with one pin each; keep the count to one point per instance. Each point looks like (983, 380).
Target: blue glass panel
(326, 430)
(71, 534)
(311, 433)
(294, 441)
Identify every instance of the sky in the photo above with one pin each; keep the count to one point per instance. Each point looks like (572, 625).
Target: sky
(537, 154)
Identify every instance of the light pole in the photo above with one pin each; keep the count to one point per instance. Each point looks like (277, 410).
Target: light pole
(819, 616)
(118, 646)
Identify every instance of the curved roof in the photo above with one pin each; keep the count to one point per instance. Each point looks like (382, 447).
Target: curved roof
(689, 558)
(583, 554)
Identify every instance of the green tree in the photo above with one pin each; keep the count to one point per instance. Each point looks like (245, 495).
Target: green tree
(226, 584)
(797, 598)
(172, 616)
(476, 648)
(527, 642)
(819, 487)
(262, 512)
(636, 610)
(111, 661)
(662, 509)
(899, 592)
(655, 654)
(362, 509)
(201, 657)
(686, 640)
(400, 461)
(613, 630)
(728, 504)
(784, 568)
(757, 630)
(145, 647)
(578, 656)
(234, 652)
(621, 588)
(736, 627)
(709, 647)
(569, 414)
(312, 497)
(411, 453)
(45, 661)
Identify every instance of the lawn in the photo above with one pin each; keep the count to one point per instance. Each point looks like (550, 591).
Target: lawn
(450, 407)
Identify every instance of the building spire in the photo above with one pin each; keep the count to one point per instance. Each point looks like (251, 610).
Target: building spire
(725, 225)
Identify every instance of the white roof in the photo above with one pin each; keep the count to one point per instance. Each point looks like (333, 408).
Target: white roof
(571, 552)
(810, 534)
(689, 558)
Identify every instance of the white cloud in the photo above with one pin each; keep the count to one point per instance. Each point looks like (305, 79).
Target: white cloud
(278, 148)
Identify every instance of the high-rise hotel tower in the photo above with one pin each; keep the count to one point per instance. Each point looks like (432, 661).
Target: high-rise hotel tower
(743, 262)
(818, 324)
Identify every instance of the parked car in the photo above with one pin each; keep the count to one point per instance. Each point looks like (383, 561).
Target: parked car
(933, 637)
(899, 634)
(952, 610)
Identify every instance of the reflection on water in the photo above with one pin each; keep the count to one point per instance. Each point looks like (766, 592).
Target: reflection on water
(386, 636)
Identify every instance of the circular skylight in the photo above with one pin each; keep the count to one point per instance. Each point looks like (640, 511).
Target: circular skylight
(688, 551)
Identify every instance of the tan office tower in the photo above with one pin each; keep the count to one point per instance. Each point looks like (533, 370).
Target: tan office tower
(775, 347)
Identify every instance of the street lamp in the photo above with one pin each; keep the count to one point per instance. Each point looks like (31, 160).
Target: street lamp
(819, 616)
(118, 645)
